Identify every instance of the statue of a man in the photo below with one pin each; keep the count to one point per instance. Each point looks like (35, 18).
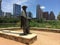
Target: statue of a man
(24, 21)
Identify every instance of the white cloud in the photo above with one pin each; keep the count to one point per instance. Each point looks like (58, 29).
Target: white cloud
(21, 1)
(42, 7)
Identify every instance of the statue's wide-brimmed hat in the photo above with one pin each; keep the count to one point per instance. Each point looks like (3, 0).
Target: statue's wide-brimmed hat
(24, 7)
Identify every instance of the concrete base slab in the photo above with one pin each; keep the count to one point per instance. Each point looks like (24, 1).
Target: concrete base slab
(14, 35)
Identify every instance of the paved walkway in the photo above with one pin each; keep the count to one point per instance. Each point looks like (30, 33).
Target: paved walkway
(47, 38)
(4, 41)
(44, 38)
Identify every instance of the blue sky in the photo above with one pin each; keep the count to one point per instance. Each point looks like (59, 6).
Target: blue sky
(46, 5)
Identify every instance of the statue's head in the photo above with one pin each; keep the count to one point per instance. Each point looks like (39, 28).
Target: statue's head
(24, 7)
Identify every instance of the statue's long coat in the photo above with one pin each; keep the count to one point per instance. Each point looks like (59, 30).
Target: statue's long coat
(24, 22)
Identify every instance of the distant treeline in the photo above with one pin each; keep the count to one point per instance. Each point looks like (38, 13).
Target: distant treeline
(9, 20)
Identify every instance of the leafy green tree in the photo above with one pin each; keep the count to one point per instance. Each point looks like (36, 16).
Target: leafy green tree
(40, 20)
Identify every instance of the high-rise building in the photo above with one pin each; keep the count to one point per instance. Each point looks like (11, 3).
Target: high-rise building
(29, 14)
(8, 15)
(39, 12)
(0, 4)
(51, 16)
(16, 10)
(46, 15)
(0, 8)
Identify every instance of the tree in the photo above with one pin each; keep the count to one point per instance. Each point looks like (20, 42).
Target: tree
(58, 17)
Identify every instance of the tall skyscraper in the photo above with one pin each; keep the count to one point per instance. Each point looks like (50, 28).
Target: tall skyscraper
(46, 15)
(52, 16)
(0, 8)
(29, 14)
(39, 12)
(16, 9)
(0, 4)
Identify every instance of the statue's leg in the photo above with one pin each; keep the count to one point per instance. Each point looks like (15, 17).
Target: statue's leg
(21, 22)
(24, 30)
(27, 27)
(27, 30)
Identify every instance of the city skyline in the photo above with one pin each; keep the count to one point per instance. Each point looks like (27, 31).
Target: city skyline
(46, 5)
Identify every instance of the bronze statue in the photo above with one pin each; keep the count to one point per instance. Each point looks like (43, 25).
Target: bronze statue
(25, 21)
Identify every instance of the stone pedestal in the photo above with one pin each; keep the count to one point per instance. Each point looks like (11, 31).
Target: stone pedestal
(13, 35)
